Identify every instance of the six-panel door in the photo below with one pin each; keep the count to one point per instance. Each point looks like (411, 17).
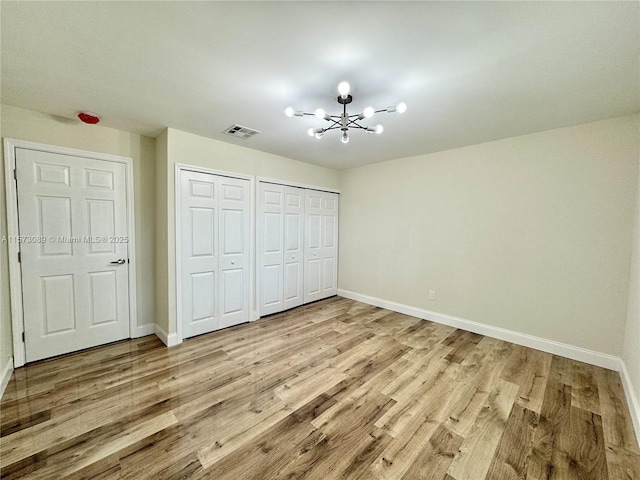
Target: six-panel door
(321, 245)
(74, 252)
(280, 245)
(293, 247)
(271, 248)
(214, 230)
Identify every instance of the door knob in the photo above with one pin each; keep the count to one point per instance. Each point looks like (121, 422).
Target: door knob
(122, 261)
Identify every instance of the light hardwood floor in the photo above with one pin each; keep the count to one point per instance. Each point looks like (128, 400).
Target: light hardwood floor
(336, 389)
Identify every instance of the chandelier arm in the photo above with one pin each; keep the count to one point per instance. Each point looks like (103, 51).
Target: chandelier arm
(355, 124)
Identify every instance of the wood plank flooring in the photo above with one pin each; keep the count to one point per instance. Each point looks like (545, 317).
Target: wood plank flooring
(333, 390)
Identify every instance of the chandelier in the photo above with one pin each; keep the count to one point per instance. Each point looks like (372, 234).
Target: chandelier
(344, 121)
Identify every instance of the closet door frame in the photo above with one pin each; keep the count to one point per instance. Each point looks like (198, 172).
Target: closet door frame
(179, 168)
(257, 209)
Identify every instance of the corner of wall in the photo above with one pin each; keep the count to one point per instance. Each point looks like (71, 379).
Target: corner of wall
(161, 291)
(630, 371)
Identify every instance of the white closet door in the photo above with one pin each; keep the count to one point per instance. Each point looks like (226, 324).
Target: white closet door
(214, 240)
(72, 214)
(321, 245)
(199, 250)
(234, 234)
(293, 247)
(270, 245)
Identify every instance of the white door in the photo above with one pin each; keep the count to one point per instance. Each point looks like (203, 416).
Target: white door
(321, 245)
(293, 247)
(214, 239)
(271, 247)
(280, 243)
(235, 232)
(199, 252)
(74, 255)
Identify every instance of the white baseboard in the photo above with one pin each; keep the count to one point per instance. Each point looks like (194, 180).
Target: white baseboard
(144, 330)
(632, 399)
(6, 376)
(169, 340)
(550, 346)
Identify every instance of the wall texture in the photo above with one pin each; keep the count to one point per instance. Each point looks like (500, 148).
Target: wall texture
(531, 233)
(21, 124)
(192, 149)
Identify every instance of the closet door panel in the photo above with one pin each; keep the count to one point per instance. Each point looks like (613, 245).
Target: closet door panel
(297, 246)
(329, 244)
(293, 247)
(328, 280)
(271, 201)
(234, 231)
(313, 246)
(199, 252)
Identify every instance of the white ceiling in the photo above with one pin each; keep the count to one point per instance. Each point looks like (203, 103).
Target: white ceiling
(469, 72)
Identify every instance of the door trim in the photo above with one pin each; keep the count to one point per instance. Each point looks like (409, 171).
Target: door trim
(179, 168)
(298, 185)
(15, 274)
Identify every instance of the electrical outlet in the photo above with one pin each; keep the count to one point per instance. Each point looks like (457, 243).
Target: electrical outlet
(432, 294)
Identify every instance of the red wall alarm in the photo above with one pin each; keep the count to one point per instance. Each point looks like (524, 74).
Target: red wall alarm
(88, 117)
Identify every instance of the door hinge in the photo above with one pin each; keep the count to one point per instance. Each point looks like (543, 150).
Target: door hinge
(22, 337)
(15, 175)
(19, 258)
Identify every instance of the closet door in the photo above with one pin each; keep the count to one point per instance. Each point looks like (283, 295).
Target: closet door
(214, 229)
(294, 247)
(199, 252)
(321, 245)
(234, 233)
(270, 247)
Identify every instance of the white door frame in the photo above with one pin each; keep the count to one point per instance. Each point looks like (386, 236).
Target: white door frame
(179, 167)
(15, 274)
(257, 209)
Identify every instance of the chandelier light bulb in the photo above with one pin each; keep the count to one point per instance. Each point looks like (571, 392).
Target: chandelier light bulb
(289, 111)
(320, 113)
(310, 132)
(368, 112)
(344, 88)
(319, 135)
(345, 138)
(401, 107)
(379, 128)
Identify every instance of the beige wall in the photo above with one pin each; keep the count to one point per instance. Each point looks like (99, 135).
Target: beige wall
(631, 350)
(21, 124)
(192, 149)
(531, 233)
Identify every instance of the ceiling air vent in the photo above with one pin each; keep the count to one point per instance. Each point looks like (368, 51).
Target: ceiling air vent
(240, 131)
